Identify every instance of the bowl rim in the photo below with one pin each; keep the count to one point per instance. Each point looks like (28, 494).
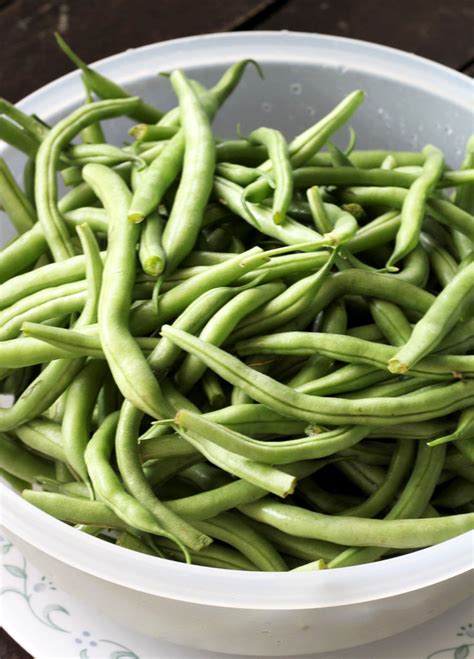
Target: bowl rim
(212, 586)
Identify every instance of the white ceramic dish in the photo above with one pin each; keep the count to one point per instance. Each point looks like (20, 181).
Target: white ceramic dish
(410, 101)
(51, 624)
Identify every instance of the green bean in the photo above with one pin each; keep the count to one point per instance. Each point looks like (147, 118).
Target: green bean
(401, 462)
(460, 465)
(44, 437)
(40, 394)
(375, 233)
(232, 529)
(368, 478)
(44, 304)
(315, 409)
(107, 89)
(308, 143)
(352, 350)
(80, 196)
(19, 462)
(414, 205)
(13, 135)
(455, 494)
(220, 497)
(367, 332)
(151, 253)
(278, 153)
(71, 176)
(129, 541)
(323, 501)
(74, 510)
(412, 502)
(192, 319)
(348, 378)
(81, 398)
(126, 361)
(262, 475)
(256, 420)
(103, 154)
(441, 261)
(217, 556)
(237, 173)
(279, 452)
(14, 201)
(299, 547)
(150, 132)
(345, 176)
(391, 321)
(464, 198)
(47, 276)
(17, 484)
(393, 533)
(165, 167)
(220, 326)
(334, 322)
(260, 217)
(370, 453)
(144, 318)
(72, 488)
(463, 433)
(391, 387)
(29, 173)
(213, 390)
(284, 307)
(108, 487)
(21, 253)
(92, 134)
(436, 323)
(49, 216)
(441, 210)
(29, 123)
(126, 447)
(195, 186)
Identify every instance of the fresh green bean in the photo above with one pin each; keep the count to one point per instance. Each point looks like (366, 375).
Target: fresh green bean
(233, 529)
(278, 153)
(53, 225)
(19, 462)
(220, 326)
(411, 503)
(151, 253)
(399, 467)
(315, 409)
(107, 89)
(352, 350)
(126, 361)
(14, 201)
(436, 323)
(279, 452)
(44, 437)
(13, 135)
(128, 460)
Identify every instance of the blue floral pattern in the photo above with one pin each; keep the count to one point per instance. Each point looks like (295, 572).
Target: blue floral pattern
(55, 616)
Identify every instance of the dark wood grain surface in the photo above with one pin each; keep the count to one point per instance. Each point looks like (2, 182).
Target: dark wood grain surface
(441, 30)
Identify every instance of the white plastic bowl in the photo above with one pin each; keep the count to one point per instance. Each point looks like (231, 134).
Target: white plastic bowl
(410, 101)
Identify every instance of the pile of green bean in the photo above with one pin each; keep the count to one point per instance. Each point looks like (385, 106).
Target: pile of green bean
(249, 354)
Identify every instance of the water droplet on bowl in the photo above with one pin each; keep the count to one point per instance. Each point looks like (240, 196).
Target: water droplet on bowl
(296, 88)
(266, 107)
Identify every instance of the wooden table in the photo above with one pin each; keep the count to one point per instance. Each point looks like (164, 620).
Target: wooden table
(438, 29)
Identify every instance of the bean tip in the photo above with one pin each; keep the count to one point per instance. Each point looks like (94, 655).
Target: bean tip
(135, 216)
(397, 367)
